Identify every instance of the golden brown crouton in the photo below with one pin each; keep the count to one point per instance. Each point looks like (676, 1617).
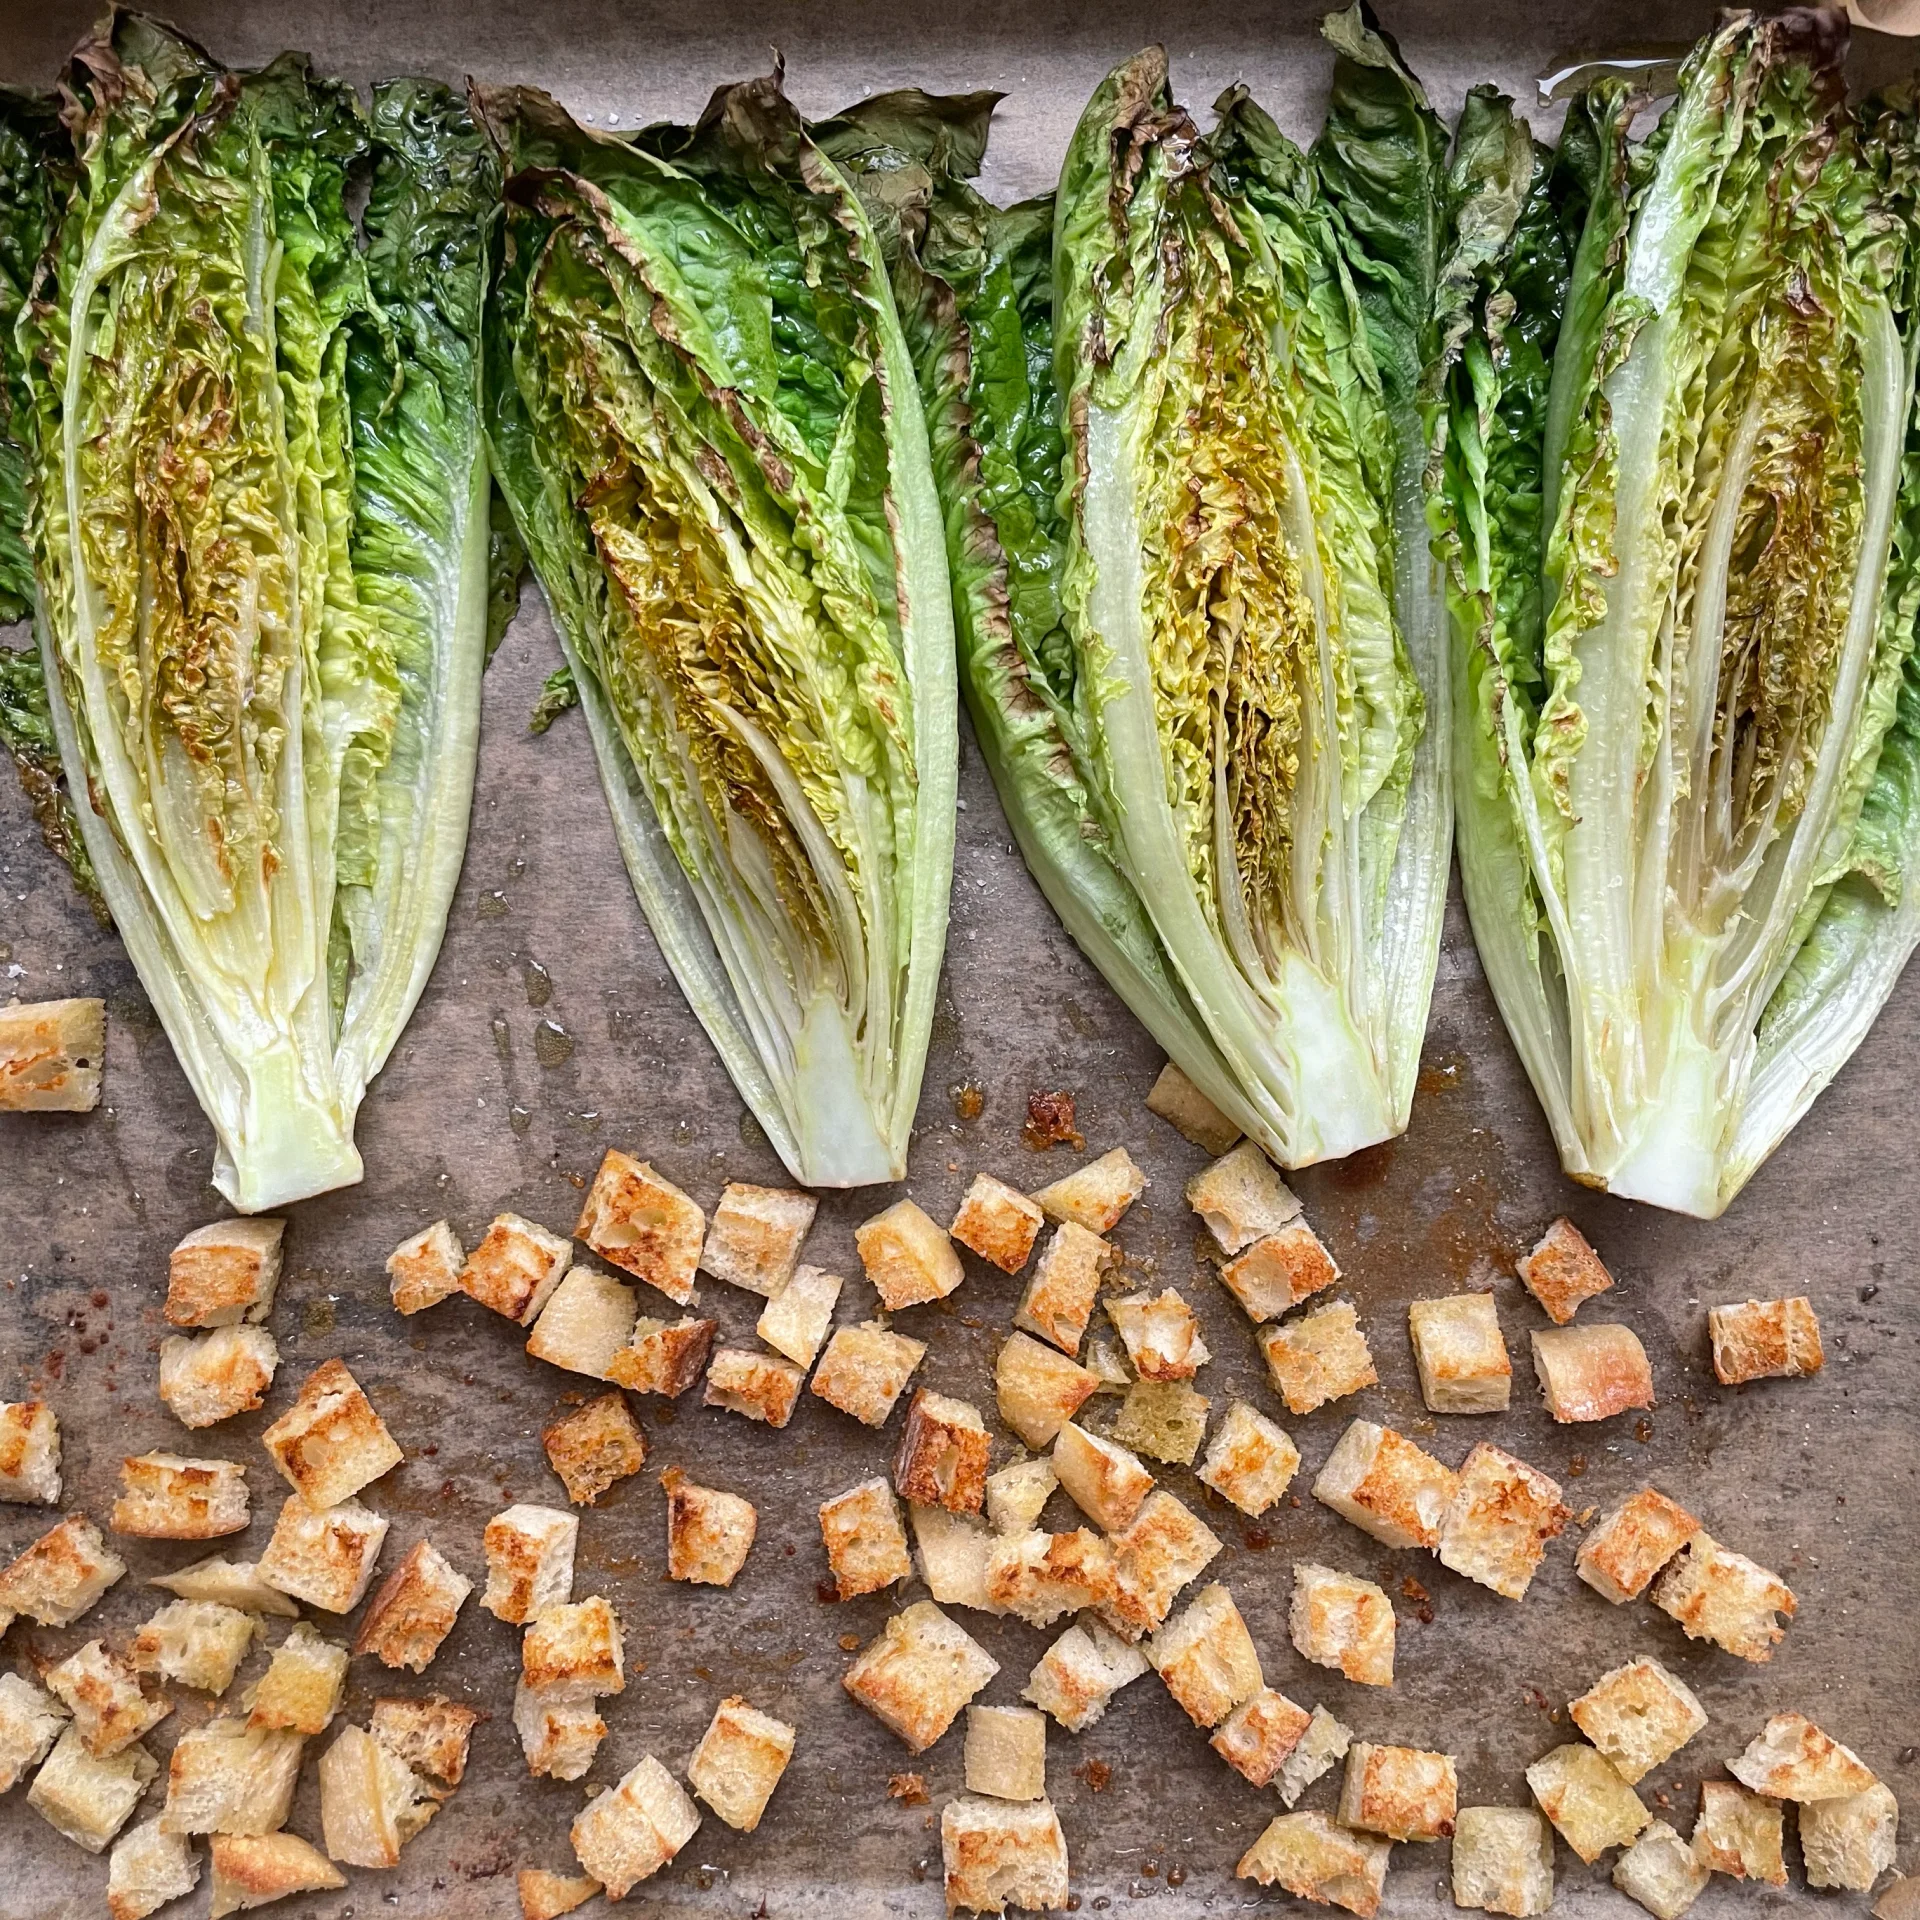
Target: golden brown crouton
(1740, 1834)
(1563, 1271)
(414, 1610)
(330, 1443)
(739, 1761)
(1040, 1576)
(1339, 1620)
(594, 1447)
(1059, 1298)
(1251, 1460)
(29, 1453)
(1849, 1842)
(754, 1239)
(1189, 1112)
(1256, 1737)
(1591, 1807)
(587, 1321)
(998, 1222)
(371, 1802)
(1502, 1860)
(227, 1777)
(1164, 1419)
(1160, 1334)
(1241, 1198)
(300, 1691)
(942, 1457)
(1102, 1478)
(1791, 1759)
(149, 1867)
(1724, 1597)
(560, 1730)
(529, 1561)
(1006, 1753)
(1206, 1656)
(1638, 1715)
(326, 1556)
(225, 1272)
(762, 1386)
(1037, 1389)
(1592, 1372)
(233, 1583)
(217, 1375)
(50, 1053)
(1081, 1672)
(1319, 1356)
(165, 1497)
(254, 1870)
(196, 1643)
(795, 1322)
(917, 1676)
(574, 1643)
(424, 1268)
(30, 1722)
(1386, 1486)
(865, 1369)
(1405, 1793)
(1164, 1548)
(953, 1550)
(110, 1707)
(430, 1735)
(629, 1834)
(643, 1224)
(515, 1268)
(1307, 1855)
(1660, 1872)
(1497, 1525)
(1462, 1357)
(865, 1541)
(86, 1800)
(907, 1257)
(1278, 1271)
(61, 1575)
(709, 1533)
(662, 1358)
(1632, 1543)
(1002, 1853)
(1097, 1195)
(1765, 1340)
(546, 1896)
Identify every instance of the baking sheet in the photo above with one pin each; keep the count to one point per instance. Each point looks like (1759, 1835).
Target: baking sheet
(551, 1029)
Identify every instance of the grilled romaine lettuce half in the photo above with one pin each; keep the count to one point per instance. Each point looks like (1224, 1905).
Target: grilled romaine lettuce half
(704, 416)
(1683, 507)
(261, 538)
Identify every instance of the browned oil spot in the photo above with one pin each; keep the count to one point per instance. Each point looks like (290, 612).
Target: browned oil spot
(1258, 1538)
(1049, 1122)
(1411, 1589)
(1096, 1773)
(849, 1643)
(969, 1099)
(910, 1789)
(1367, 1168)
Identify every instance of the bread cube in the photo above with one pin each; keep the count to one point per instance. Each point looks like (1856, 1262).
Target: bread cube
(1462, 1357)
(629, 1834)
(1258, 1735)
(1740, 1834)
(424, 1268)
(1791, 1759)
(1097, 1195)
(195, 1643)
(1190, 1113)
(29, 1453)
(865, 1369)
(588, 1319)
(110, 1708)
(301, 1690)
(330, 1443)
(371, 1802)
(953, 1550)
(227, 1777)
(560, 1730)
(430, 1735)
(1386, 1486)
(254, 1870)
(907, 1256)
(1102, 1478)
(233, 1583)
(1339, 1620)
(1502, 1860)
(86, 1800)
(795, 1322)
(1318, 1357)
(1591, 1807)
(225, 1272)
(753, 1240)
(1018, 1494)
(50, 1053)
(662, 1358)
(1241, 1198)
(1632, 1543)
(865, 1541)
(643, 1224)
(1563, 1271)
(1108, 1365)
(1307, 1855)
(998, 1222)
(1037, 1389)
(1059, 1298)
(1497, 1525)
(1081, 1672)
(1592, 1372)
(1660, 1872)
(414, 1610)
(1765, 1340)
(595, 1447)
(1206, 1656)
(1323, 1746)
(709, 1533)
(61, 1575)
(1405, 1793)
(1164, 1419)
(165, 1497)
(148, 1868)
(999, 1854)
(1040, 1576)
(1250, 1460)
(1006, 1753)
(942, 1457)
(324, 1557)
(1164, 1548)
(762, 1386)
(739, 1761)
(1849, 1842)
(221, 1373)
(515, 1268)
(1724, 1597)
(1278, 1271)
(529, 1561)
(1160, 1334)
(917, 1676)
(574, 1644)
(30, 1722)
(1639, 1716)
(546, 1896)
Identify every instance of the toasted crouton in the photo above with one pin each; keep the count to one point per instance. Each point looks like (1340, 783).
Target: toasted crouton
(1462, 1357)
(629, 1834)
(330, 1443)
(1740, 1834)
(546, 1896)
(1241, 1198)
(1339, 1620)
(1258, 1735)
(430, 1735)
(1497, 1525)
(233, 1583)
(1189, 1112)
(1502, 1860)
(425, 1268)
(1660, 1872)
(1000, 1853)
(30, 1722)
(560, 1730)
(709, 1533)
(1102, 1478)
(165, 1497)
(795, 1321)
(148, 1868)
(865, 1541)
(942, 1457)
(1278, 1271)
(1386, 1486)
(1040, 1576)
(1639, 1716)
(1591, 1807)
(739, 1761)
(110, 1708)
(588, 1319)
(643, 1224)
(325, 1558)
(998, 1222)
(254, 1870)
(1619, 1558)
(1319, 1356)
(1724, 1597)
(1006, 1753)
(1160, 1334)
(917, 1676)
(1849, 1842)
(1164, 1419)
(1081, 1672)
(762, 1386)
(414, 1610)
(1097, 1195)
(753, 1240)
(86, 1800)
(1323, 1746)
(529, 1561)
(301, 1690)
(1307, 1855)
(61, 1575)
(1164, 1548)
(225, 1272)
(1405, 1793)
(865, 1369)
(29, 1453)
(953, 1550)
(661, 1358)
(1592, 1372)
(1206, 1656)
(1037, 1389)
(1765, 1340)
(907, 1256)
(371, 1802)
(50, 1053)
(1563, 1271)
(515, 1268)
(1791, 1759)
(1250, 1460)
(217, 1375)
(574, 1644)
(1018, 1492)
(1059, 1298)
(595, 1447)
(195, 1643)
(227, 1777)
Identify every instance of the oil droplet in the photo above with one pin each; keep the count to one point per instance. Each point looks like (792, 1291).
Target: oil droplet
(752, 1133)
(516, 867)
(519, 1118)
(491, 906)
(539, 983)
(502, 1038)
(969, 1099)
(586, 1121)
(319, 1316)
(552, 1043)
(682, 1135)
